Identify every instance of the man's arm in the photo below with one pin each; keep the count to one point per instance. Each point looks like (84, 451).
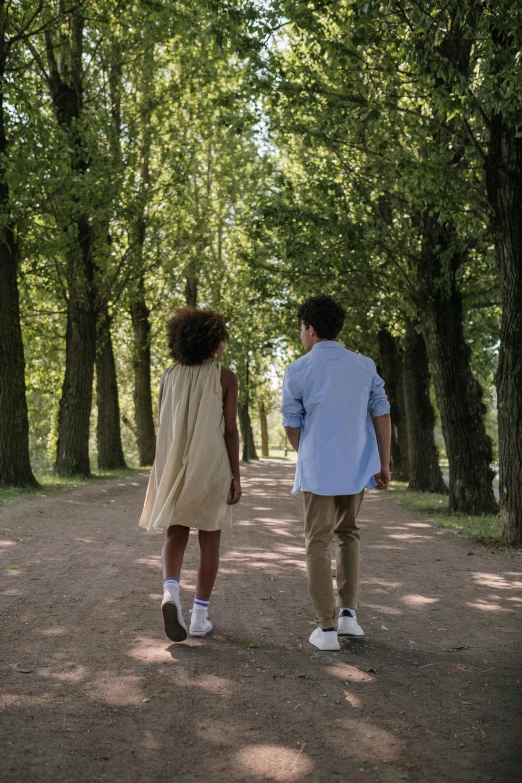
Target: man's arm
(292, 409)
(293, 434)
(382, 426)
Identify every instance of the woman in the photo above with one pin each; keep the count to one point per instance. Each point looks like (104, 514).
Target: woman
(195, 477)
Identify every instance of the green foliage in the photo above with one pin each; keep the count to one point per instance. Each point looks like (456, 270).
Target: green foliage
(265, 152)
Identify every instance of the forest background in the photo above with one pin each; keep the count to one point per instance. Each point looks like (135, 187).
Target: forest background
(244, 155)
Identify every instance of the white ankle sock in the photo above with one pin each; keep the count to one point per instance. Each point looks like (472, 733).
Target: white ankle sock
(171, 584)
(200, 603)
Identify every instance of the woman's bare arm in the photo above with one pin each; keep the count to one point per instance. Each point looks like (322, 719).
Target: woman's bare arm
(230, 392)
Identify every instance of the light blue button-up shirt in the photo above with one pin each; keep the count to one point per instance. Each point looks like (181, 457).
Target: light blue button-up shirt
(329, 393)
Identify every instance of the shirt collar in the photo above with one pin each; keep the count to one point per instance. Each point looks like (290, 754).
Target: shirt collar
(325, 344)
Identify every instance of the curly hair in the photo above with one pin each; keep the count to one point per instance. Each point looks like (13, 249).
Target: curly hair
(324, 314)
(194, 334)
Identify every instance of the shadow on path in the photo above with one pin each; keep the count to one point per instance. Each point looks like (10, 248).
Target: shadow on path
(92, 690)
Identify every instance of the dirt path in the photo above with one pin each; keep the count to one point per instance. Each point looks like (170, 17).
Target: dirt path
(93, 691)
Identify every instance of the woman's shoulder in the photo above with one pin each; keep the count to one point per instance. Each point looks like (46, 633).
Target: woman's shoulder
(228, 378)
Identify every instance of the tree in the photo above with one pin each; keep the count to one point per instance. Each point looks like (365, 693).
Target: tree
(16, 27)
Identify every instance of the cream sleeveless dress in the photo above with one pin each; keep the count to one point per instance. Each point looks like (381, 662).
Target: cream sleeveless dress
(190, 480)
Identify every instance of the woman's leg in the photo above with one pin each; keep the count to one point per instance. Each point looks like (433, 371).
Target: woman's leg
(174, 550)
(209, 541)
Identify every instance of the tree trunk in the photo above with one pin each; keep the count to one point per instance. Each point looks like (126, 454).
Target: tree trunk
(264, 430)
(139, 311)
(108, 433)
(15, 466)
(142, 391)
(191, 291)
(66, 87)
(504, 188)
(459, 395)
(391, 369)
(72, 453)
(251, 445)
(424, 470)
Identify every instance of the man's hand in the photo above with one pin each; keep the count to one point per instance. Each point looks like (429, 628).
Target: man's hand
(235, 492)
(383, 478)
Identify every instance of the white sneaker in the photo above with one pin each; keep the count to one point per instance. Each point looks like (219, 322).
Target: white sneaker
(324, 640)
(175, 627)
(200, 625)
(348, 626)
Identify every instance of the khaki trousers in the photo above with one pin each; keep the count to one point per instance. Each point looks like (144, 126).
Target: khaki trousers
(327, 517)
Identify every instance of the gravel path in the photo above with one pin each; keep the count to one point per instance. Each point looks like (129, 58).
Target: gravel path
(93, 691)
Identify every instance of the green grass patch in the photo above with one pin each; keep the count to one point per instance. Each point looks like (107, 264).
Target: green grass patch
(435, 509)
(49, 482)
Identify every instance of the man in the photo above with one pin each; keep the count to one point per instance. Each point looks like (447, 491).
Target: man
(336, 416)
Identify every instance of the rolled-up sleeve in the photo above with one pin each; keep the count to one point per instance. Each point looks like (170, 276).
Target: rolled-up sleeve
(292, 405)
(378, 404)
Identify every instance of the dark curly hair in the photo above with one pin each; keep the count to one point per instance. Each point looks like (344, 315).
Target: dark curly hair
(194, 334)
(324, 314)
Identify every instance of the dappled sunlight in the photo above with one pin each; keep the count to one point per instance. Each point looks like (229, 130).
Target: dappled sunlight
(348, 673)
(352, 699)
(20, 701)
(153, 562)
(150, 650)
(418, 524)
(409, 537)
(71, 673)
(150, 742)
(7, 543)
(211, 683)
(369, 743)
(381, 583)
(274, 762)
(391, 610)
(415, 601)
(487, 606)
(118, 690)
(496, 581)
(58, 631)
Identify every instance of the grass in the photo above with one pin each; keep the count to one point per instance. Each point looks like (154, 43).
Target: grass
(434, 508)
(49, 482)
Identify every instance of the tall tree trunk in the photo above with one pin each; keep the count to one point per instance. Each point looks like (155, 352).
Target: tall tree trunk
(142, 391)
(504, 188)
(66, 87)
(459, 395)
(423, 459)
(191, 291)
(138, 307)
(264, 429)
(391, 368)
(108, 432)
(72, 453)
(15, 466)
(251, 443)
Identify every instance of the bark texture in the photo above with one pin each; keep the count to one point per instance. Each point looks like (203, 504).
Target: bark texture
(108, 431)
(146, 438)
(390, 368)
(424, 469)
(65, 65)
(504, 188)
(142, 392)
(252, 453)
(459, 395)
(15, 466)
(264, 430)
